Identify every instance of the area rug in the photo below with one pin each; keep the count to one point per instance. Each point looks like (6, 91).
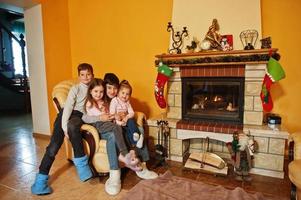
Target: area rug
(169, 187)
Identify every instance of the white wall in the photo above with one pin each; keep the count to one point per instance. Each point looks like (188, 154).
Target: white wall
(36, 65)
(233, 17)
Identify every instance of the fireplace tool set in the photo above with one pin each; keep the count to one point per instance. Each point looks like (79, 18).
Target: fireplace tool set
(162, 145)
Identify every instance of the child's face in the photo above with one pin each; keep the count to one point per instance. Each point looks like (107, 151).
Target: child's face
(124, 94)
(85, 76)
(97, 93)
(111, 91)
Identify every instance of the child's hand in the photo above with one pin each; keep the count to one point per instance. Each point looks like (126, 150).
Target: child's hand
(120, 123)
(122, 115)
(117, 117)
(111, 117)
(125, 120)
(105, 117)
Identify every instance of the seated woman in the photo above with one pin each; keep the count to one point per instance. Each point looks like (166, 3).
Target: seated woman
(112, 86)
(96, 106)
(97, 115)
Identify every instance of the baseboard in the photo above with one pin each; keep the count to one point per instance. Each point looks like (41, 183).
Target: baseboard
(264, 172)
(41, 136)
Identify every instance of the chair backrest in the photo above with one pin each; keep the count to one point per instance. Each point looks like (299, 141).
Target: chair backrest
(296, 137)
(60, 93)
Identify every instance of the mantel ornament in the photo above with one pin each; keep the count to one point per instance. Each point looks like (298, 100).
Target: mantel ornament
(213, 37)
(266, 43)
(177, 38)
(248, 39)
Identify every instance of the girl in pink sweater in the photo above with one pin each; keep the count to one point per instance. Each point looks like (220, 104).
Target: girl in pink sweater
(121, 107)
(96, 107)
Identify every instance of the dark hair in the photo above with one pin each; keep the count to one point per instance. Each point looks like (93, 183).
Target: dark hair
(95, 82)
(111, 79)
(84, 66)
(125, 84)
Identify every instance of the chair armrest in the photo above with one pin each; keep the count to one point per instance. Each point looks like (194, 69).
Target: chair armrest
(295, 140)
(140, 117)
(92, 130)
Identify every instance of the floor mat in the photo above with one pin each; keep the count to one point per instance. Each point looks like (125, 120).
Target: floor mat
(170, 187)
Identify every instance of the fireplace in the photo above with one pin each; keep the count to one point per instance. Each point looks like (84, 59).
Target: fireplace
(235, 77)
(213, 99)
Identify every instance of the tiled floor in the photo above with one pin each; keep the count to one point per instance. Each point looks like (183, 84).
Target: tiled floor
(20, 155)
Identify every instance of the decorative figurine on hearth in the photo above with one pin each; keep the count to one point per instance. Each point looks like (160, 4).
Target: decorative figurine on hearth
(241, 149)
(266, 43)
(194, 44)
(213, 36)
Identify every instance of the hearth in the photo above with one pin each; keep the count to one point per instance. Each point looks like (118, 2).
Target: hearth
(213, 99)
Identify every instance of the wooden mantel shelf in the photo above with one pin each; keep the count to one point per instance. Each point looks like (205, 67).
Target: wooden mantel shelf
(235, 57)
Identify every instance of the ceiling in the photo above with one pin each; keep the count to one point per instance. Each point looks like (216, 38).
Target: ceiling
(21, 3)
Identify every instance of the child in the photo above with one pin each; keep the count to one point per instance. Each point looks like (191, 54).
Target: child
(96, 106)
(111, 84)
(121, 107)
(113, 184)
(67, 123)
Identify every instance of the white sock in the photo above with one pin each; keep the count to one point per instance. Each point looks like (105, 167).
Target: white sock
(140, 141)
(136, 136)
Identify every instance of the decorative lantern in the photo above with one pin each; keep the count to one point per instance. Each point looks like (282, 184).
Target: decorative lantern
(248, 39)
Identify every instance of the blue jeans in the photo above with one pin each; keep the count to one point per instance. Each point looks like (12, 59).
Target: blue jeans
(111, 149)
(57, 139)
(113, 153)
(143, 153)
(131, 128)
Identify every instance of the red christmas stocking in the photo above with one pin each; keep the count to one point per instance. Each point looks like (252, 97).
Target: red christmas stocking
(274, 74)
(265, 94)
(164, 72)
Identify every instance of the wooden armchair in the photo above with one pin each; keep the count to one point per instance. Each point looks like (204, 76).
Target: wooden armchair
(294, 167)
(94, 146)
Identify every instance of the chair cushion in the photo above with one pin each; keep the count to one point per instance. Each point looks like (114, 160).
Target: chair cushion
(294, 169)
(102, 148)
(101, 162)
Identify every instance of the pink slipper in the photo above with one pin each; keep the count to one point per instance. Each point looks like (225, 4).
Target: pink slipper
(132, 162)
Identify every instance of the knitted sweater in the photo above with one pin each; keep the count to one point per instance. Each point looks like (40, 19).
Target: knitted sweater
(75, 101)
(118, 106)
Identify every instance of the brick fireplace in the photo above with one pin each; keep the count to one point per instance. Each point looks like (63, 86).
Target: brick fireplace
(187, 135)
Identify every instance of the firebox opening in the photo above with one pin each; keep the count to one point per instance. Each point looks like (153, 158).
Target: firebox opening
(215, 99)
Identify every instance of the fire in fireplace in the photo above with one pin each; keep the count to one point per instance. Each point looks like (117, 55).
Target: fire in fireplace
(215, 99)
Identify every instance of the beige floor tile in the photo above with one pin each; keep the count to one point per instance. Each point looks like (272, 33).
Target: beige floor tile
(13, 171)
(98, 193)
(11, 194)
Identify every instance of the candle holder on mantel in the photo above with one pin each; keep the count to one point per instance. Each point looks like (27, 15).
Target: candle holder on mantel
(177, 38)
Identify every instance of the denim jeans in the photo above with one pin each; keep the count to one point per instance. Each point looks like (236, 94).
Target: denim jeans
(143, 153)
(113, 153)
(105, 127)
(131, 128)
(111, 150)
(57, 140)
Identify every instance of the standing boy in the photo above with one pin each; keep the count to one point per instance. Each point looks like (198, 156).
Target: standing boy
(67, 123)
